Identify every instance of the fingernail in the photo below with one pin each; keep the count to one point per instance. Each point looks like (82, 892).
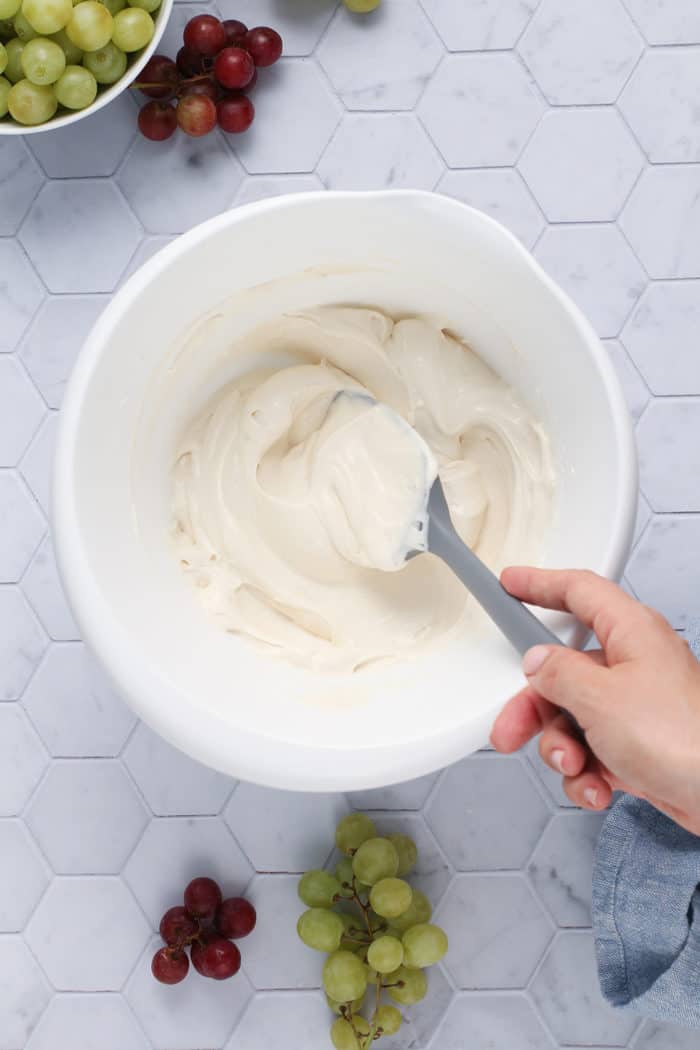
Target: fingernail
(534, 658)
(557, 758)
(590, 795)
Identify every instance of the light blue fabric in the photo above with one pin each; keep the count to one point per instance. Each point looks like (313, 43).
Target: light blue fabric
(646, 909)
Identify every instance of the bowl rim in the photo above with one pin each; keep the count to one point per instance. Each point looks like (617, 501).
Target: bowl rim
(109, 94)
(137, 681)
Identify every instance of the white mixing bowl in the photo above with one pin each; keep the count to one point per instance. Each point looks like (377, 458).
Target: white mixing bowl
(157, 354)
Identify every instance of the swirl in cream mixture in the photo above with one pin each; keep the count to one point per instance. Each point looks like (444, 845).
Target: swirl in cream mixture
(295, 491)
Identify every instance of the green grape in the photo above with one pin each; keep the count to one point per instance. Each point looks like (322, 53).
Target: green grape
(350, 923)
(73, 54)
(43, 61)
(13, 69)
(339, 1008)
(361, 1024)
(9, 8)
(7, 30)
(420, 910)
(362, 7)
(344, 977)
(31, 103)
(318, 888)
(407, 851)
(91, 26)
(23, 29)
(146, 5)
(113, 6)
(5, 86)
(385, 954)
(352, 831)
(387, 1019)
(47, 16)
(424, 945)
(77, 88)
(375, 859)
(390, 898)
(320, 929)
(344, 874)
(406, 986)
(133, 29)
(3, 58)
(343, 1035)
(107, 65)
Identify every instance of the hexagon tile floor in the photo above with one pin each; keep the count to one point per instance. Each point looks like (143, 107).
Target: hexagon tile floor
(575, 122)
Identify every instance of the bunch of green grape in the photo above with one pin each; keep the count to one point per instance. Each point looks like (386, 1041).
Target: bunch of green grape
(375, 928)
(58, 52)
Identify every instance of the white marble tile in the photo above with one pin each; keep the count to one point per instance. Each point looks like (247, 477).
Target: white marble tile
(193, 846)
(658, 103)
(595, 266)
(383, 62)
(73, 707)
(93, 146)
(550, 780)
(295, 115)
(291, 964)
(669, 454)
(22, 526)
(196, 1013)
(566, 992)
(80, 235)
(661, 336)
(44, 592)
(21, 410)
(663, 570)
(662, 220)
(55, 338)
(469, 803)
(88, 1022)
(87, 933)
(22, 643)
(655, 1036)
(485, 1022)
(502, 194)
(22, 760)
(20, 181)
(498, 931)
(561, 164)
(172, 783)
(412, 794)
(147, 248)
(273, 1018)
(24, 875)
(21, 292)
(667, 21)
(380, 151)
(561, 867)
(432, 873)
(189, 180)
(633, 386)
(643, 517)
(420, 1022)
(25, 994)
(480, 110)
(284, 830)
(300, 23)
(37, 461)
(583, 55)
(488, 25)
(261, 187)
(101, 801)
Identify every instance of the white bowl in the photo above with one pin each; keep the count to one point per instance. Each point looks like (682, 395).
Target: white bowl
(104, 95)
(159, 351)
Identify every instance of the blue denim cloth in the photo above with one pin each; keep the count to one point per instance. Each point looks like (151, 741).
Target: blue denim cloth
(646, 909)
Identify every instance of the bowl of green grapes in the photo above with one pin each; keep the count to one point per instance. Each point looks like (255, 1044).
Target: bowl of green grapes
(63, 59)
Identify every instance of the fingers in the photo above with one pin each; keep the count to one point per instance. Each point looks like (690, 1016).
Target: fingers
(576, 681)
(561, 749)
(588, 790)
(524, 716)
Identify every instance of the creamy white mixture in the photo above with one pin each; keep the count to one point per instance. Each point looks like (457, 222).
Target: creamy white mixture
(295, 490)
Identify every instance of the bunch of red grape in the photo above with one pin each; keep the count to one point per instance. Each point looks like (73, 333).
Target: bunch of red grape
(209, 81)
(207, 925)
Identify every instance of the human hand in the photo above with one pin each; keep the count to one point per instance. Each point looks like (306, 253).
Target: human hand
(637, 699)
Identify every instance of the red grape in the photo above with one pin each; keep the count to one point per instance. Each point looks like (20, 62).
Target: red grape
(157, 120)
(188, 62)
(204, 34)
(236, 916)
(218, 959)
(196, 115)
(234, 67)
(177, 926)
(170, 967)
(264, 45)
(162, 71)
(197, 947)
(235, 31)
(202, 896)
(235, 114)
(202, 87)
(252, 82)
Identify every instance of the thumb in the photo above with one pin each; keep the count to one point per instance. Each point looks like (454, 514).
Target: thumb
(570, 679)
